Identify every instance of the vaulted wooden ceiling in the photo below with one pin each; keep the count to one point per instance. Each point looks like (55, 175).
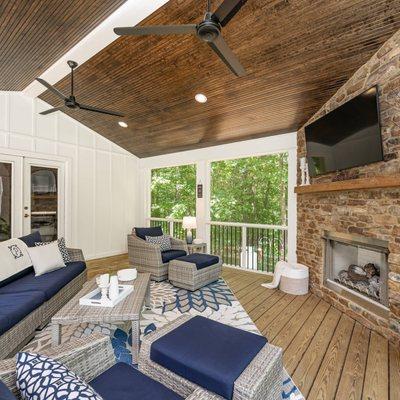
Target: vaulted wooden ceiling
(34, 34)
(297, 54)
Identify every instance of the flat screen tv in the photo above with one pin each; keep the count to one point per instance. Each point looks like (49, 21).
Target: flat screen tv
(349, 136)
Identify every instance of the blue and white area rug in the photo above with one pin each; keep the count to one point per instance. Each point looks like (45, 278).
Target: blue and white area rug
(215, 301)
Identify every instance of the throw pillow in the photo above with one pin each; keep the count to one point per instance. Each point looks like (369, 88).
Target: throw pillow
(42, 378)
(14, 260)
(163, 241)
(62, 246)
(46, 258)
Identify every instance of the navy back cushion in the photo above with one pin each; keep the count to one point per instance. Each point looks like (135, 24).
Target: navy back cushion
(5, 393)
(32, 238)
(153, 231)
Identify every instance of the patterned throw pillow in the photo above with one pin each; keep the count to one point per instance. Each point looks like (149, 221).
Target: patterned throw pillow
(163, 241)
(62, 246)
(41, 378)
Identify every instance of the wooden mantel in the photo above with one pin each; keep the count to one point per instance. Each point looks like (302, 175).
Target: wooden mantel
(351, 184)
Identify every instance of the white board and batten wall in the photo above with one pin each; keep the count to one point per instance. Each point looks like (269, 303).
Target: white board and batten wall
(101, 177)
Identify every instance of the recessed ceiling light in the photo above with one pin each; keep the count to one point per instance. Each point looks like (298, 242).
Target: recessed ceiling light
(122, 124)
(201, 98)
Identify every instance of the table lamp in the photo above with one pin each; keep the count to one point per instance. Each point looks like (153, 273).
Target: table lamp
(189, 223)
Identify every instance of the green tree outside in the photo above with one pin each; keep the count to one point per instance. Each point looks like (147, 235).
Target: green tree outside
(173, 192)
(250, 190)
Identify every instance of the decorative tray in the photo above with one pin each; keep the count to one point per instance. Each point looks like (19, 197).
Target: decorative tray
(94, 297)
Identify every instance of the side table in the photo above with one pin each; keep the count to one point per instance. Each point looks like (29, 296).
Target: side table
(197, 248)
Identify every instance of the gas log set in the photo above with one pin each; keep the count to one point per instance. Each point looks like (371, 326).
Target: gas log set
(365, 279)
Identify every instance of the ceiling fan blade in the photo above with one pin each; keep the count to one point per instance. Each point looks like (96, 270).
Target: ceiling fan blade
(156, 30)
(52, 88)
(99, 110)
(225, 53)
(51, 110)
(227, 10)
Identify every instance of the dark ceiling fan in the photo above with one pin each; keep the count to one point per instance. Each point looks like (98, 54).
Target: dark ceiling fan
(70, 102)
(209, 31)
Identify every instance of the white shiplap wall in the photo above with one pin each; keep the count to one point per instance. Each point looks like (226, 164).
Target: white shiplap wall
(103, 176)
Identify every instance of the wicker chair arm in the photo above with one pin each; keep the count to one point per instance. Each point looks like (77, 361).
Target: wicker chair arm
(87, 356)
(76, 254)
(142, 252)
(178, 244)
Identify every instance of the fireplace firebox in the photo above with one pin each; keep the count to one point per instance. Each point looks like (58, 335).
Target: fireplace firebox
(357, 268)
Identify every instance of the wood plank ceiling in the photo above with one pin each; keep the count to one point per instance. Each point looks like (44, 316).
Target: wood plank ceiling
(297, 54)
(35, 34)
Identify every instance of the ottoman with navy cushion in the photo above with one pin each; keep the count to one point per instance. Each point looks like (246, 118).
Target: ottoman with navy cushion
(194, 271)
(229, 363)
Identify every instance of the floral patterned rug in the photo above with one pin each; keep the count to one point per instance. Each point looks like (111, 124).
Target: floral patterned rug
(215, 301)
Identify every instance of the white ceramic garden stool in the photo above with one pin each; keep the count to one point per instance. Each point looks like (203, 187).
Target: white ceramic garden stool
(294, 279)
(291, 278)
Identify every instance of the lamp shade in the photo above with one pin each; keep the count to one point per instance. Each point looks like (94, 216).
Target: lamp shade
(189, 223)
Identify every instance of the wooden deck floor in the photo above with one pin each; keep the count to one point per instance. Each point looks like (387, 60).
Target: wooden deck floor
(328, 354)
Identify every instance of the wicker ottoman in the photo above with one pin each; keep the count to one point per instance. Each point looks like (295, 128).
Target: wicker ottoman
(258, 378)
(194, 271)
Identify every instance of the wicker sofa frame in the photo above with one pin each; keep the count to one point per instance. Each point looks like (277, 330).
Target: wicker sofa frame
(185, 275)
(20, 334)
(261, 380)
(88, 357)
(146, 257)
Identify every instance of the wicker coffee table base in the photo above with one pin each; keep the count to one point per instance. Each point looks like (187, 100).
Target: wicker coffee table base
(128, 310)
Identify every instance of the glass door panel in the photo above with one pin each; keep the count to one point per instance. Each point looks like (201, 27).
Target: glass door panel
(5, 201)
(44, 198)
(44, 202)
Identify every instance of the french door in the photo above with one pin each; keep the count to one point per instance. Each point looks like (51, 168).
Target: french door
(44, 195)
(32, 197)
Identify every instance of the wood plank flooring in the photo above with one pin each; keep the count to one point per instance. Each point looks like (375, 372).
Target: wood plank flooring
(328, 354)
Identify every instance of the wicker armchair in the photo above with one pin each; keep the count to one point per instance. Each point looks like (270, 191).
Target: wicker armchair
(146, 257)
(87, 357)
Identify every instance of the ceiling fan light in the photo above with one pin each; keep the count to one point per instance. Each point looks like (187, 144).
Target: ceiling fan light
(201, 98)
(122, 124)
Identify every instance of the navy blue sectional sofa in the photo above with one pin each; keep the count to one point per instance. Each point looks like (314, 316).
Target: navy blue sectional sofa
(28, 302)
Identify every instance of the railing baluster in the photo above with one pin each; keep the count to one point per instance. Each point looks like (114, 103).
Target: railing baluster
(231, 246)
(244, 247)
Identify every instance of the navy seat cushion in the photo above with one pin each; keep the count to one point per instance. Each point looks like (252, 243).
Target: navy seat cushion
(208, 353)
(5, 393)
(123, 382)
(31, 239)
(49, 283)
(14, 307)
(201, 260)
(169, 255)
(152, 231)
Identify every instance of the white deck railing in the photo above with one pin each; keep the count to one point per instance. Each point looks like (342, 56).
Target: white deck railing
(248, 246)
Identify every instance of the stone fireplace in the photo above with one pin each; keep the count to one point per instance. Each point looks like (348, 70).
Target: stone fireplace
(357, 267)
(355, 226)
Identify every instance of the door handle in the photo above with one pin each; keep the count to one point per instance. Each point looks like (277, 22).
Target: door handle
(26, 215)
